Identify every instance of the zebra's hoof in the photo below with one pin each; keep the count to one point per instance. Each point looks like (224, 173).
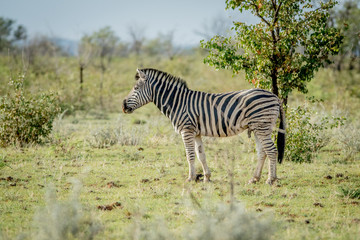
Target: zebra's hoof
(207, 178)
(270, 181)
(191, 179)
(253, 180)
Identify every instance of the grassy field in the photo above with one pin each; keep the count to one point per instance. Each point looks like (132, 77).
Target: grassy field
(130, 170)
(148, 180)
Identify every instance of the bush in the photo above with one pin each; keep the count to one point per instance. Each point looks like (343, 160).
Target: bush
(307, 133)
(348, 138)
(26, 119)
(65, 220)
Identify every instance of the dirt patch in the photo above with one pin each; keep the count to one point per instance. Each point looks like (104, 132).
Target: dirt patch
(113, 184)
(109, 207)
(317, 204)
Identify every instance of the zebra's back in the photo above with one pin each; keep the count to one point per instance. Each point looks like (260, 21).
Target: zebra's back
(227, 114)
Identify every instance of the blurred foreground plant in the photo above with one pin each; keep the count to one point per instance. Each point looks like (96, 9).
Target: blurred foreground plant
(26, 118)
(228, 222)
(65, 220)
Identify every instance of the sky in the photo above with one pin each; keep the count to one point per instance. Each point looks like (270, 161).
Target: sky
(71, 19)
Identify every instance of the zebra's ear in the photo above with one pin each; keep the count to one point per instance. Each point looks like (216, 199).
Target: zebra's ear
(142, 75)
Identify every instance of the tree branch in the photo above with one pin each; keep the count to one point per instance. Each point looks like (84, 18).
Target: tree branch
(276, 18)
(258, 13)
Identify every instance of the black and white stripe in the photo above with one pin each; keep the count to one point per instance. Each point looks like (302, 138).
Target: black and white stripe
(194, 114)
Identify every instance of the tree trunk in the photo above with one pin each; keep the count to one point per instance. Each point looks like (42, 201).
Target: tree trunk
(81, 69)
(274, 86)
(352, 61)
(285, 101)
(102, 86)
(340, 62)
(81, 77)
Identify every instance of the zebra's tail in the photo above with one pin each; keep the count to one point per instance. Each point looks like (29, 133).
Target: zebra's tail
(281, 135)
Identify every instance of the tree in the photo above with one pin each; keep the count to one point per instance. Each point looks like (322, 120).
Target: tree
(104, 43)
(347, 19)
(219, 25)
(9, 33)
(42, 54)
(86, 52)
(283, 51)
(162, 45)
(137, 35)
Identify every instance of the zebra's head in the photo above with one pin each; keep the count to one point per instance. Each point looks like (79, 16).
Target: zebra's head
(139, 95)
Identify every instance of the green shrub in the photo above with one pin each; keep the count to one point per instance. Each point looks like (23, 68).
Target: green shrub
(26, 118)
(350, 192)
(307, 133)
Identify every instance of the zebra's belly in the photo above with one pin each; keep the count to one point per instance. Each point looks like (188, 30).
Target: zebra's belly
(230, 132)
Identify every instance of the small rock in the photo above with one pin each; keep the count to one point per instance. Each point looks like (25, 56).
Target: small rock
(328, 177)
(307, 221)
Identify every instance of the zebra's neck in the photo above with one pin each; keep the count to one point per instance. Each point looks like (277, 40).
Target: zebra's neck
(169, 96)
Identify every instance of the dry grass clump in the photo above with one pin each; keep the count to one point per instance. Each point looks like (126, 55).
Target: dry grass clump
(64, 220)
(107, 136)
(348, 138)
(226, 222)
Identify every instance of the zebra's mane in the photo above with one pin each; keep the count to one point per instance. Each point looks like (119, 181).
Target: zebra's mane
(168, 77)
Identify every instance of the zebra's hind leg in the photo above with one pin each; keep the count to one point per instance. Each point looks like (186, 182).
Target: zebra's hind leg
(261, 159)
(200, 152)
(271, 152)
(189, 142)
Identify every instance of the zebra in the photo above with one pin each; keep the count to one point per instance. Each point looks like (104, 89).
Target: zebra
(194, 114)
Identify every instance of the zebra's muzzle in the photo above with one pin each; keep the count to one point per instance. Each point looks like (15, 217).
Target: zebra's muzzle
(125, 108)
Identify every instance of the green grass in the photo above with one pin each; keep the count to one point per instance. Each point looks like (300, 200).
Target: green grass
(149, 182)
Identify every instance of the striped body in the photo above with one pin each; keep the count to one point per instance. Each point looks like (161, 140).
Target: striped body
(194, 114)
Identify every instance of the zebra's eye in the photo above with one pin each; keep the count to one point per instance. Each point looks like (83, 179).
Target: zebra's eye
(136, 88)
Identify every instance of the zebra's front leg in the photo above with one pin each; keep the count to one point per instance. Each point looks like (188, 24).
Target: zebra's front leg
(200, 152)
(189, 142)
